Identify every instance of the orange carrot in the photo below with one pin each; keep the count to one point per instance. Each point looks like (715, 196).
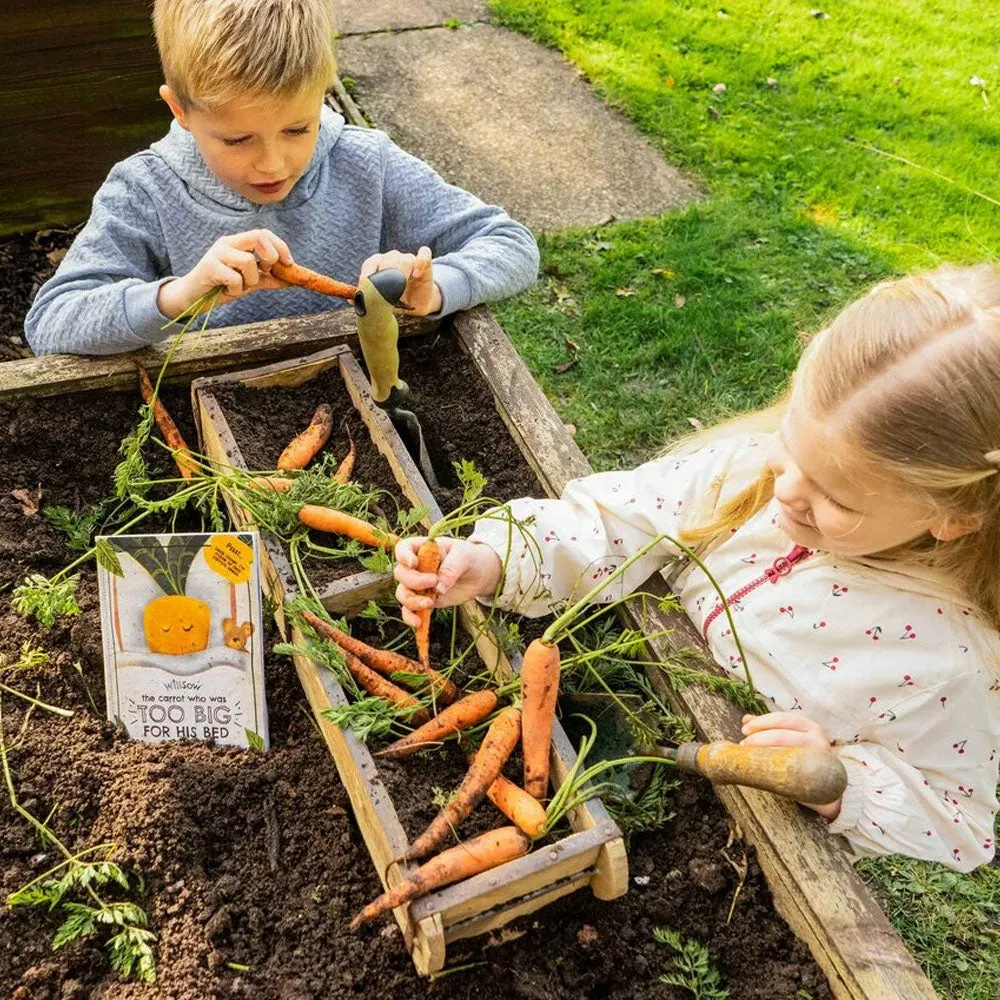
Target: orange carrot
(346, 467)
(304, 277)
(539, 691)
(377, 685)
(275, 483)
(385, 661)
(336, 522)
(466, 712)
(182, 453)
(497, 746)
(304, 447)
(479, 854)
(522, 809)
(428, 561)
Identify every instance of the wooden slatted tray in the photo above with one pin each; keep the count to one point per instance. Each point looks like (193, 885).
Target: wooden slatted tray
(593, 854)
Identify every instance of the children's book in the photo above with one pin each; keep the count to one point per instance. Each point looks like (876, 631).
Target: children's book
(183, 644)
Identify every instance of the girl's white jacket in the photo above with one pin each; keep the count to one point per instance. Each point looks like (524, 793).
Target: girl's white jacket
(898, 671)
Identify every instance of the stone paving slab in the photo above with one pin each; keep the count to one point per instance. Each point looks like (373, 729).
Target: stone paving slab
(358, 16)
(512, 122)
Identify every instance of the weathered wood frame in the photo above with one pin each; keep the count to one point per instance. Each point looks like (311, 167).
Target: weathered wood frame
(593, 854)
(813, 883)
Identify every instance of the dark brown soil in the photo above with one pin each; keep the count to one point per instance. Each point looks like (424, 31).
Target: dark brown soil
(252, 863)
(263, 421)
(27, 261)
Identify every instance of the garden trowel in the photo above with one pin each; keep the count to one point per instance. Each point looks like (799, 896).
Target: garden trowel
(378, 332)
(812, 775)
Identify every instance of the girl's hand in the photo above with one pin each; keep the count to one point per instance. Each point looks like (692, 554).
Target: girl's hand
(789, 729)
(467, 570)
(421, 297)
(240, 264)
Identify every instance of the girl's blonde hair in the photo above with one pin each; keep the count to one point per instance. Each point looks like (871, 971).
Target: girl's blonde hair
(910, 376)
(213, 51)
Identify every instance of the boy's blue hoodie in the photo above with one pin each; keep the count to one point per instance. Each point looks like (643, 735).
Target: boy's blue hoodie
(159, 211)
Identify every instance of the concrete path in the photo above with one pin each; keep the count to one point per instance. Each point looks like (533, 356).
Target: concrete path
(357, 16)
(505, 118)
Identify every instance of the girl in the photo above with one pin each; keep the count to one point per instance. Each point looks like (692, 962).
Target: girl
(856, 526)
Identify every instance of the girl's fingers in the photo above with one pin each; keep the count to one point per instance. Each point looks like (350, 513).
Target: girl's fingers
(778, 720)
(782, 738)
(414, 602)
(410, 618)
(455, 562)
(415, 581)
(406, 551)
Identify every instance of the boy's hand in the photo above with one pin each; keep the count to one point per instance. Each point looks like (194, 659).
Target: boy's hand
(421, 297)
(789, 729)
(467, 570)
(240, 263)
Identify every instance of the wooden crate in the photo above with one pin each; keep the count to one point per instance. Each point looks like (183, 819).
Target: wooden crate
(593, 854)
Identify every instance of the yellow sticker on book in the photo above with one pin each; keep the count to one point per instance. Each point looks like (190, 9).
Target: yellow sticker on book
(231, 558)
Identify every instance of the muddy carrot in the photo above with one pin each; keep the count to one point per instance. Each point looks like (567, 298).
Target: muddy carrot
(464, 713)
(336, 522)
(304, 447)
(522, 809)
(276, 483)
(479, 854)
(428, 561)
(385, 661)
(377, 685)
(346, 467)
(539, 691)
(497, 746)
(304, 277)
(182, 453)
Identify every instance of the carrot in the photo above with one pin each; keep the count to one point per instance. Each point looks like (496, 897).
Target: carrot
(304, 277)
(377, 685)
(522, 809)
(303, 448)
(336, 522)
(466, 712)
(428, 561)
(385, 661)
(346, 467)
(182, 453)
(497, 746)
(479, 854)
(275, 483)
(539, 691)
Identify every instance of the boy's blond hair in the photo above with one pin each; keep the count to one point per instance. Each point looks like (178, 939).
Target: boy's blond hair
(213, 51)
(910, 376)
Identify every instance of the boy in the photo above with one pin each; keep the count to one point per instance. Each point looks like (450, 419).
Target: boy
(255, 168)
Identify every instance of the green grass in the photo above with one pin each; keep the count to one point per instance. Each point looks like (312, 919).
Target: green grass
(798, 220)
(696, 315)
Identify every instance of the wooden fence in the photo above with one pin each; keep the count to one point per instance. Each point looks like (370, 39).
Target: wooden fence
(78, 92)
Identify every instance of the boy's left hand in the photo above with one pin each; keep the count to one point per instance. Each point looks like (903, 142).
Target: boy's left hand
(421, 297)
(789, 729)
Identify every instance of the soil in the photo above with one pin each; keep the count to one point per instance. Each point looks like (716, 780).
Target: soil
(252, 863)
(27, 261)
(263, 421)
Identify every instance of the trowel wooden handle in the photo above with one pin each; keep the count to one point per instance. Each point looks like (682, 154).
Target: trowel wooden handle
(805, 774)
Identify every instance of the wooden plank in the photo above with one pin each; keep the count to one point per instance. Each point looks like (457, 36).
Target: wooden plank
(513, 880)
(222, 349)
(813, 883)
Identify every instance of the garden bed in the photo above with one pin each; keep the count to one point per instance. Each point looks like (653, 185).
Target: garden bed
(253, 863)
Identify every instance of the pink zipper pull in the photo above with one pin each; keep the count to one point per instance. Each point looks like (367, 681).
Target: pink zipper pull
(782, 566)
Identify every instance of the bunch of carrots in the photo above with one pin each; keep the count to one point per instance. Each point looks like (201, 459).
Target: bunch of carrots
(528, 722)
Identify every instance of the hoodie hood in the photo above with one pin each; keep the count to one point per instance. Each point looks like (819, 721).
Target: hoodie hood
(180, 152)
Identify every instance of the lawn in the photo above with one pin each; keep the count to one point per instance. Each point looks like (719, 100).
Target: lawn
(699, 314)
